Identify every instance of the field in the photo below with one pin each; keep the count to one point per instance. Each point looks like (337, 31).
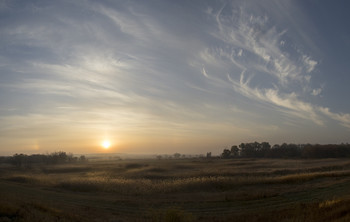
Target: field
(178, 190)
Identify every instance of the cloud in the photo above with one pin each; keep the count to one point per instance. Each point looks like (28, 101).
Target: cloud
(316, 92)
(265, 55)
(129, 25)
(343, 118)
(204, 73)
(263, 43)
(140, 68)
(289, 103)
(309, 63)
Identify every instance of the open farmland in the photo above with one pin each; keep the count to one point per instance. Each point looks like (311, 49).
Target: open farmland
(178, 190)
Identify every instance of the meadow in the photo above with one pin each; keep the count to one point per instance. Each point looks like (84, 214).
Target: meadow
(197, 189)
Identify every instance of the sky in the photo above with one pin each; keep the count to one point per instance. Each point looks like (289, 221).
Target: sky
(164, 76)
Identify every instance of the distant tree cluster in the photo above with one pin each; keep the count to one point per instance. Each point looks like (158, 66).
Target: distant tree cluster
(53, 158)
(174, 156)
(264, 150)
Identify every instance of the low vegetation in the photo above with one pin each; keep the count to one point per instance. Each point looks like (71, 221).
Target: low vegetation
(198, 189)
(24, 160)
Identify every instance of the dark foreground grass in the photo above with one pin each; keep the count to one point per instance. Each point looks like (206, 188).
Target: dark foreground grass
(32, 211)
(178, 190)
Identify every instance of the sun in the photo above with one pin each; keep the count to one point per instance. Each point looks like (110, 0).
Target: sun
(106, 144)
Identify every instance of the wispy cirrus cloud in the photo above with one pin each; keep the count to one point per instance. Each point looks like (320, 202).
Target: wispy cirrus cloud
(256, 49)
(204, 72)
(316, 92)
(310, 64)
(190, 69)
(342, 118)
(288, 103)
(261, 43)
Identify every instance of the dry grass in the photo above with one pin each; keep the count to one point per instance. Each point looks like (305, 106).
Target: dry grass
(163, 177)
(190, 190)
(32, 211)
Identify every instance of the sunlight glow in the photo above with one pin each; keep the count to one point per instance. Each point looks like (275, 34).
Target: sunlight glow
(106, 144)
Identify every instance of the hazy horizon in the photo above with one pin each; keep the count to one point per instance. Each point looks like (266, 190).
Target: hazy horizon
(172, 76)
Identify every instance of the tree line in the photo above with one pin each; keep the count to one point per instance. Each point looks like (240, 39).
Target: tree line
(264, 150)
(53, 158)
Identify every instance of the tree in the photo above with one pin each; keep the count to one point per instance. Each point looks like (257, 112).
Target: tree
(226, 154)
(159, 157)
(82, 158)
(264, 149)
(19, 159)
(234, 151)
(209, 155)
(177, 155)
(248, 149)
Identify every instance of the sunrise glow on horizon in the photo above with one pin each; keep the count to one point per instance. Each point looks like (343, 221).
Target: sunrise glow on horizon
(172, 76)
(106, 144)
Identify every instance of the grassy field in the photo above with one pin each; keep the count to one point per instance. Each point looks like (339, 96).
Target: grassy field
(178, 190)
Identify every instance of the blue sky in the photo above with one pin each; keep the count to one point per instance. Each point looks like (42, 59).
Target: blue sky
(172, 76)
